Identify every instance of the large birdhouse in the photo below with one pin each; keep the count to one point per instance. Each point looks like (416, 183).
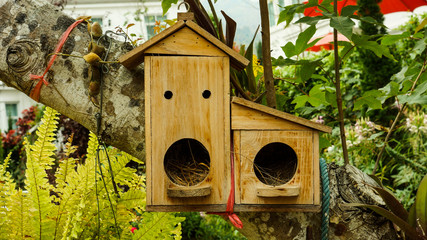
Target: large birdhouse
(187, 124)
(276, 159)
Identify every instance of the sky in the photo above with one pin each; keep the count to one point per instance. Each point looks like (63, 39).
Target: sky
(244, 12)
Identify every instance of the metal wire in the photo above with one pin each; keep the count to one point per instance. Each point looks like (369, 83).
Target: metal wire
(98, 117)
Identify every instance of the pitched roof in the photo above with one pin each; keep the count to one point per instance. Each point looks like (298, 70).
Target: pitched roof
(281, 115)
(135, 57)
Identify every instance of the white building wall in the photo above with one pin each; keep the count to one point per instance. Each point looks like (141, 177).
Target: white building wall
(120, 13)
(12, 96)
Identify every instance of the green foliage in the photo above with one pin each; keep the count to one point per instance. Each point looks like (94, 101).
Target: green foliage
(82, 203)
(198, 226)
(414, 223)
(166, 4)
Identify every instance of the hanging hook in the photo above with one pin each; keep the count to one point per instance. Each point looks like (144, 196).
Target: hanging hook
(186, 5)
(184, 16)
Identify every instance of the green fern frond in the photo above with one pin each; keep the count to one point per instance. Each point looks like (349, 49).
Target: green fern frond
(43, 149)
(7, 190)
(65, 168)
(20, 222)
(38, 188)
(159, 225)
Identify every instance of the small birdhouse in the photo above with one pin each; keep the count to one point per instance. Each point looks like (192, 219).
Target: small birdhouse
(276, 159)
(187, 124)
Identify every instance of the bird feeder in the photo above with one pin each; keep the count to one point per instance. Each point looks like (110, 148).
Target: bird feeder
(187, 122)
(276, 159)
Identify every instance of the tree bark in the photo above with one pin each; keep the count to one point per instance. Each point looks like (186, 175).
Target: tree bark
(29, 32)
(266, 54)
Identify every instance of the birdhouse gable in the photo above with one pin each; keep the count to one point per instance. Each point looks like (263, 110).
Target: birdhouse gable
(183, 38)
(249, 115)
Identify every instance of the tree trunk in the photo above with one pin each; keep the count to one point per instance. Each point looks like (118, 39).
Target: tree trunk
(29, 32)
(266, 54)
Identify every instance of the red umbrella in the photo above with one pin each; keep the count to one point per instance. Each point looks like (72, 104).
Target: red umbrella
(386, 6)
(326, 42)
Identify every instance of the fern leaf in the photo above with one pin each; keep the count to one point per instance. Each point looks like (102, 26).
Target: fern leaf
(7, 190)
(39, 195)
(158, 225)
(39, 159)
(21, 219)
(43, 149)
(65, 168)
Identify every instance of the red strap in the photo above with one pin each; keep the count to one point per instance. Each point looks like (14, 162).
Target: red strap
(234, 219)
(35, 93)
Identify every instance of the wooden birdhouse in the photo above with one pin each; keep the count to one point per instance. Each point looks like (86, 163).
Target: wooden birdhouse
(187, 124)
(276, 159)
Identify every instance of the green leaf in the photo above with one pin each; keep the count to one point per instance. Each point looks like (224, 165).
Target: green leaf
(344, 25)
(392, 203)
(300, 101)
(323, 143)
(418, 96)
(287, 15)
(166, 4)
(304, 38)
(349, 10)
(346, 51)
(369, 98)
(421, 26)
(306, 71)
(317, 96)
(408, 229)
(390, 90)
(311, 20)
(331, 98)
(364, 42)
(289, 50)
(421, 204)
(392, 39)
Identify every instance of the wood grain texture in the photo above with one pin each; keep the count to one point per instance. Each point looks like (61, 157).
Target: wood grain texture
(275, 113)
(316, 168)
(185, 192)
(301, 142)
(272, 191)
(147, 77)
(185, 42)
(135, 57)
(243, 117)
(187, 114)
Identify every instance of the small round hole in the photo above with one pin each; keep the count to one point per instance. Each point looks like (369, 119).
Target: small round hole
(275, 164)
(206, 94)
(168, 94)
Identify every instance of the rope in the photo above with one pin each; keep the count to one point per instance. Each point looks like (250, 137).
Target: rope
(35, 93)
(234, 219)
(325, 199)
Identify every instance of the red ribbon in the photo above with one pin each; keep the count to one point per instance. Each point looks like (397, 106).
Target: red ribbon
(35, 93)
(234, 219)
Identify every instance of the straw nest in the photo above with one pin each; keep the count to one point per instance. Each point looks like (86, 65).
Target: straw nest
(187, 162)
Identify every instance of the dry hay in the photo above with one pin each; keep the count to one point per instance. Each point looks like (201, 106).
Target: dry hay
(187, 162)
(275, 164)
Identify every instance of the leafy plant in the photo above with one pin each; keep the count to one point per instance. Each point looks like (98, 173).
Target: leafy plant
(414, 222)
(201, 226)
(82, 203)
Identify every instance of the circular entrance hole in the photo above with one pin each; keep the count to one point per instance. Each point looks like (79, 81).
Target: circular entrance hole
(275, 164)
(187, 162)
